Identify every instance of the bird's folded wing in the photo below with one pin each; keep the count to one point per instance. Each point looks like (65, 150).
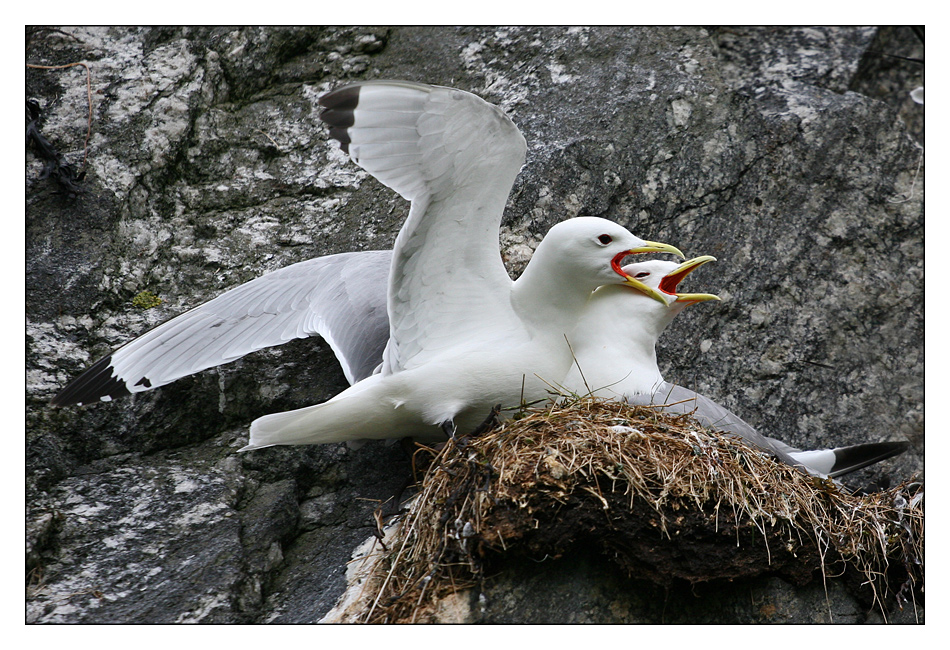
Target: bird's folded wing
(677, 399)
(339, 297)
(822, 462)
(455, 157)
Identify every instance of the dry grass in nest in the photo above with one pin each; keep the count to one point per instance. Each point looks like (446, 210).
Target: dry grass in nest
(657, 493)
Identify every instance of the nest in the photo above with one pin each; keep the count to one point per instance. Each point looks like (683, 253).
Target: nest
(659, 495)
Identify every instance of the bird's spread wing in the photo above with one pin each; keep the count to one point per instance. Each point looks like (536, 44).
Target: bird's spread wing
(339, 297)
(455, 157)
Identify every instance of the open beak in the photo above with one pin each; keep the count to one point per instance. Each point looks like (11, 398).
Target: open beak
(670, 282)
(647, 247)
(659, 296)
(656, 247)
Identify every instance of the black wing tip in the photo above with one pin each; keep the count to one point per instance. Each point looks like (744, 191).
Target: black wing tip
(97, 382)
(339, 113)
(342, 99)
(341, 135)
(851, 459)
(338, 118)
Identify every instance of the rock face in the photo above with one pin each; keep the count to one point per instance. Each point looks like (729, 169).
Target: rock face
(793, 155)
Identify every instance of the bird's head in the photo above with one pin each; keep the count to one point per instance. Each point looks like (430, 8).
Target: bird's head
(590, 250)
(664, 277)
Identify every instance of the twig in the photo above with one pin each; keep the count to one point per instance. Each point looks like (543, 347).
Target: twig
(920, 159)
(274, 142)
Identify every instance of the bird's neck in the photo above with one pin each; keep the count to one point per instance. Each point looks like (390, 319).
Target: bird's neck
(620, 364)
(548, 301)
(615, 341)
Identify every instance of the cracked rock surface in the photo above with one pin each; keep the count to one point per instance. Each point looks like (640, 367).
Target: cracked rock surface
(793, 155)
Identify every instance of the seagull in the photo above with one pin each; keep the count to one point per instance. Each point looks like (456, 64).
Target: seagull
(615, 352)
(462, 337)
(343, 298)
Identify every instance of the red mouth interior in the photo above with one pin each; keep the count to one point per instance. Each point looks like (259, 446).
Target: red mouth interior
(615, 264)
(669, 283)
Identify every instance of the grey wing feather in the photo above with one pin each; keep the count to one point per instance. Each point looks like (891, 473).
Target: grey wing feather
(339, 297)
(822, 462)
(676, 399)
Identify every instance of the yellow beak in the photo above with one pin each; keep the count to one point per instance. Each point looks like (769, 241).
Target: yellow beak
(671, 280)
(656, 247)
(648, 247)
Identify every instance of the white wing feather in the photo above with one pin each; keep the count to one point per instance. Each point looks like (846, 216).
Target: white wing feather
(338, 297)
(455, 157)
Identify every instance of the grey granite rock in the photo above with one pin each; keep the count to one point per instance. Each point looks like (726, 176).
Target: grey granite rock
(776, 151)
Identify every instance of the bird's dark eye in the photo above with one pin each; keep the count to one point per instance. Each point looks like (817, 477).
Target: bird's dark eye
(642, 274)
(605, 239)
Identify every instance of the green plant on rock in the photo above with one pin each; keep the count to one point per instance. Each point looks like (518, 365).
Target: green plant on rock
(146, 300)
